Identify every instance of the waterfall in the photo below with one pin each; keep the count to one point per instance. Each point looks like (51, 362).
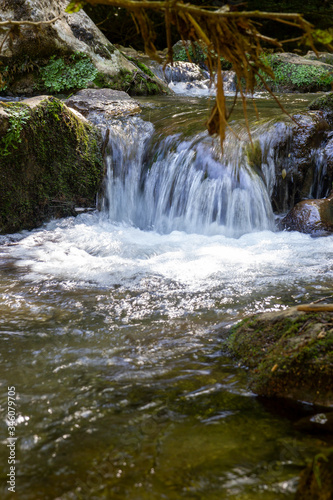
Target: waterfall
(188, 184)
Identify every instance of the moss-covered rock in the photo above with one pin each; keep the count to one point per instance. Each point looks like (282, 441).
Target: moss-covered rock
(289, 353)
(50, 162)
(323, 103)
(294, 73)
(316, 481)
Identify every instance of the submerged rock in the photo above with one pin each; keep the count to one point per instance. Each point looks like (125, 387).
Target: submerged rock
(311, 216)
(289, 353)
(50, 163)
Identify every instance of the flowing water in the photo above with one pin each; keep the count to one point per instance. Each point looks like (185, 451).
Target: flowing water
(112, 323)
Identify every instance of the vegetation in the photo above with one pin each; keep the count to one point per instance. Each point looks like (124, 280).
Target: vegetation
(195, 53)
(296, 77)
(18, 117)
(62, 74)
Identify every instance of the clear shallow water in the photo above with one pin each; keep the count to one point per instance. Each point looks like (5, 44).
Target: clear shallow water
(112, 336)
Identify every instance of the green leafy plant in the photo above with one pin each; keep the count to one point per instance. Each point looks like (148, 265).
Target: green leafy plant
(297, 76)
(19, 115)
(63, 74)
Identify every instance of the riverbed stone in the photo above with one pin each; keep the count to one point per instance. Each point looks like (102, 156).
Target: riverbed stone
(106, 102)
(289, 353)
(50, 162)
(311, 216)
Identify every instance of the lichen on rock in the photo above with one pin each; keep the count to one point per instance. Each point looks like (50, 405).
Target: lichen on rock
(51, 162)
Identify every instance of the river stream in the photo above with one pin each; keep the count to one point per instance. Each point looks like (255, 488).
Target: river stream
(113, 325)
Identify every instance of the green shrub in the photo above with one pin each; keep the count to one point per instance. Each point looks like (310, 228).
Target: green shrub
(61, 74)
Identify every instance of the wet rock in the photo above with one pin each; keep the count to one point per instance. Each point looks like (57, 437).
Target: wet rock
(311, 216)
(107, 102)
(289, 354)
(318, 423)
(303, 160)
(50, 162)
(316, 481)
(323, 103)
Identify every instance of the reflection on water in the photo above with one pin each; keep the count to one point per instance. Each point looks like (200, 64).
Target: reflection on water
(112, 336)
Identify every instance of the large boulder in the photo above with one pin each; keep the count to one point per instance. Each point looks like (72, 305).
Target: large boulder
(294, 73)
(311, 216)
(50, 162)
(103, 102)
(289, 354)
(29, 48)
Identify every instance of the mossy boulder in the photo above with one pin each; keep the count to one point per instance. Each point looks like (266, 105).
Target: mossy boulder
(316, 481)
(289, 353)
(71, 53)
(50, 162)
(323, 103)
(294, 73)
(311, 216)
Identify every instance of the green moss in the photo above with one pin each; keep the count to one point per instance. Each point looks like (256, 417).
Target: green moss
(290, 356)
(131, 82)
(55, 166)
(324, 103)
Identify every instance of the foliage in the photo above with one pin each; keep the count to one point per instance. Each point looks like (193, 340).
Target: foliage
(74, 6)
(195, 53)
(18, 117)
(323, 36)
(74, 73)
(296, 76)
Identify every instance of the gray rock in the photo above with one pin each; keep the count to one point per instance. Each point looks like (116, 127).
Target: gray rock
(70, 33)
(184, 72)
(107, 102)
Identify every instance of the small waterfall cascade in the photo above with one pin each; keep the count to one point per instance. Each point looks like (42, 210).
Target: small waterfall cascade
(188, 184)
